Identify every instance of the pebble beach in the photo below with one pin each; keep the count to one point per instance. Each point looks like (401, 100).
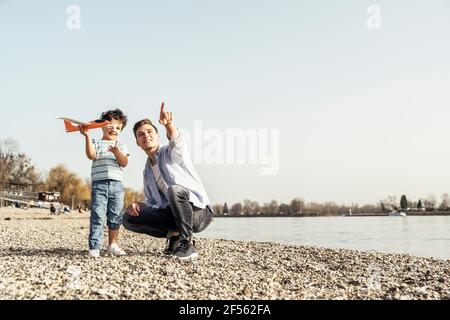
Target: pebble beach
(44, 256)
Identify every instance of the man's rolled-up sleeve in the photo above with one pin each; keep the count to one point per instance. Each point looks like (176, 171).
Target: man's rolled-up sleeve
(177, 147)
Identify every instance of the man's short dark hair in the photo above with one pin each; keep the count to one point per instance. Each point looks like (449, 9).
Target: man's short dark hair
(115, 114)
(140, 123)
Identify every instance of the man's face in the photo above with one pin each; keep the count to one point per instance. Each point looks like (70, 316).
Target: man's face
(147, 137)
(112, 131)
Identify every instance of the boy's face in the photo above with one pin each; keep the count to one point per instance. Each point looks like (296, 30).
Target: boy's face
(147, 137)
(112, 131)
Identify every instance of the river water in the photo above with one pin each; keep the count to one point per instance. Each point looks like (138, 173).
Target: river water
(417, 235)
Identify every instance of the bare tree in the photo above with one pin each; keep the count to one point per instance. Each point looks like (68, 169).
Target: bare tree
(265, 210)
(315, 208)
(273, 207)
(256, 208)
(411, 204)
(368, 208)
(284, 208)
(218, 209)
(9, 146)
(445, 204)
(390, 203)
(330, 208)
(236, 209)
(430, 201)
(16, 167)
(297, 205)
(247, 208)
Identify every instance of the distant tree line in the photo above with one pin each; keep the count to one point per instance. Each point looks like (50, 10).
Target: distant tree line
(298, 207)
(429, 203)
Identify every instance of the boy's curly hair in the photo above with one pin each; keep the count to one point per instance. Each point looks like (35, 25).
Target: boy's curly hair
(115, 114)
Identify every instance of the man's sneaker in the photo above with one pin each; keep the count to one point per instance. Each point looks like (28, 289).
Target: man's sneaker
(185, 250)
(115, 250)
(172, 244)
(94, 253)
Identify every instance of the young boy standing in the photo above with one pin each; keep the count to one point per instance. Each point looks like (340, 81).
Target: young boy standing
(109, 158)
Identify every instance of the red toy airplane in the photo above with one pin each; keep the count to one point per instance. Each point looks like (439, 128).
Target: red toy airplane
(70, 127)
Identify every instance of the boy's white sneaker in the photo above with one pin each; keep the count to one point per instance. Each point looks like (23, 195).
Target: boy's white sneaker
(94, 253)
(115, 250)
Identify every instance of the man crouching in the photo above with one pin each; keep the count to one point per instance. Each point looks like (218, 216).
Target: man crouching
(176, 204)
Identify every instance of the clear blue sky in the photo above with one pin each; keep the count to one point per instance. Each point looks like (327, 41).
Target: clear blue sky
(361, 114)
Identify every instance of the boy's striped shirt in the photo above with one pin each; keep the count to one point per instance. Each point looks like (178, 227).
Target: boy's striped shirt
(105, 166)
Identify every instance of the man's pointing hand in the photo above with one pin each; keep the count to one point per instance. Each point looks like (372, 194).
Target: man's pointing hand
(165, 117)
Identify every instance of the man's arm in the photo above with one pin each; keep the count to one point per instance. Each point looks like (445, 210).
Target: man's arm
(90, 150)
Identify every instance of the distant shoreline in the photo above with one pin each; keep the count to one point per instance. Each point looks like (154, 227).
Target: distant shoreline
(8, 212)
(424, 214)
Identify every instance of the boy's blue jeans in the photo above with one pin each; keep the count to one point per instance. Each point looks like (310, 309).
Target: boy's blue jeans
(107, 204)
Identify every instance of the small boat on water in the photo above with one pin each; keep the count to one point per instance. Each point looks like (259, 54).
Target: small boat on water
(396, 213)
